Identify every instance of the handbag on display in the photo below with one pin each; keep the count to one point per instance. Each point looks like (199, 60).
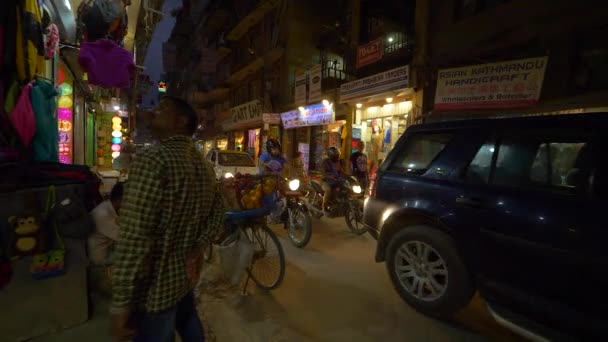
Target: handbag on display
(70, 217)
(52, 263)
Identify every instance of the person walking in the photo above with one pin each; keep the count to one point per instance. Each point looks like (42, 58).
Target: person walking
(171, 211)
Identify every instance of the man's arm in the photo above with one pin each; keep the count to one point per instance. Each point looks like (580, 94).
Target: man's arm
(139, 216)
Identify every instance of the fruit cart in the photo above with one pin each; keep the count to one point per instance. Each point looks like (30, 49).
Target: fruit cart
(249, 199)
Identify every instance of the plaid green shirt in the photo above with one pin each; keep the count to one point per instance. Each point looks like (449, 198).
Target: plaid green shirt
(171, 207)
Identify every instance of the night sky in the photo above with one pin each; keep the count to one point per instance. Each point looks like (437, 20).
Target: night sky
(154, 57)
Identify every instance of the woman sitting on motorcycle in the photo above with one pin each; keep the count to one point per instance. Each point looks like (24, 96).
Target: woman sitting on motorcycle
(333, 172)
(271, 162)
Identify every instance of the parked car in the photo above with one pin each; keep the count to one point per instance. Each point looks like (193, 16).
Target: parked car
(229, 163)
(513, 208)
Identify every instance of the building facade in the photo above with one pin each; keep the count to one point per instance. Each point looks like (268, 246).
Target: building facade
(530, 58)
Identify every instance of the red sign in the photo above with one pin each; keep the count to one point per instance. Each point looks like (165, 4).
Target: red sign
(369, 53)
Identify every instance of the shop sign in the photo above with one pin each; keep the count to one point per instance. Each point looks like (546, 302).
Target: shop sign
(300, 88)
(390, 80)
(369, 53)
(315, 83)
(498, 85)
(313, 115)
(247, 113)
(271, 118)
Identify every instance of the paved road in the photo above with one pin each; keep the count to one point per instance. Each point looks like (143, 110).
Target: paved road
(334, 291)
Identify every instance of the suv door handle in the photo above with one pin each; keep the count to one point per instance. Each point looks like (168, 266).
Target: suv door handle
(473, 202)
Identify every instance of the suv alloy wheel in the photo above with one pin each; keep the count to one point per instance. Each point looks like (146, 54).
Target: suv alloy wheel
(428, 272)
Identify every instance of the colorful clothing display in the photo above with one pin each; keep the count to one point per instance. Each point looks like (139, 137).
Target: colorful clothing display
(30, 42)
(44, 103)
(107, 64)
(23, 117)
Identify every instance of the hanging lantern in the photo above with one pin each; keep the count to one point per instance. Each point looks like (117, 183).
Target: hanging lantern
(116, 127)
(116, 120)
(65, 102)
(115, 154)
(64, 114)
(116, 140)
(116, 134)
(115, 148)
(66, 89)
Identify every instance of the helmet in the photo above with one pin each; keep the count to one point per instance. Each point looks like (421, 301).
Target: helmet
(333, 153)
(272, 143)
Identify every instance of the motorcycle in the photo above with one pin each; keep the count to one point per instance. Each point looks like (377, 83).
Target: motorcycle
(294, 214)
(347, 202)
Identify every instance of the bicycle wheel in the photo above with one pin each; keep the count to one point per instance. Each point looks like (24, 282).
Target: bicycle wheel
(268, 264)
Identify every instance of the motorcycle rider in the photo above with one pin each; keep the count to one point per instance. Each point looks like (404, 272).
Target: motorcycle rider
(332, 173)
(271, 162)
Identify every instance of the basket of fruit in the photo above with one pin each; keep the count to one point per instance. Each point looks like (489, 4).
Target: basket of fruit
(249, 196)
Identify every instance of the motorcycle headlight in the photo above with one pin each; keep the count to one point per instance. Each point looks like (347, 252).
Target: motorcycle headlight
(294, 184)
(228, 175)
(356, 189)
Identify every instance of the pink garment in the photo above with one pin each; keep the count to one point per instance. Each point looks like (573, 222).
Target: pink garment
(51, 45)
(107, 64)
(23, 117)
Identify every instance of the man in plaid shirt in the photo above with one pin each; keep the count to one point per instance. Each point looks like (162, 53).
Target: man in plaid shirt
(171, 210)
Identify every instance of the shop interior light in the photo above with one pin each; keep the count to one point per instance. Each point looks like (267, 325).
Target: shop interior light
(116, 108)
(390, 39)
(389, 99)
(301, 109)
(325, 103)
(359, 105)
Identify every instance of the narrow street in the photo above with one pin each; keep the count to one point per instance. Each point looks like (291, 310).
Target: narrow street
(333, 291)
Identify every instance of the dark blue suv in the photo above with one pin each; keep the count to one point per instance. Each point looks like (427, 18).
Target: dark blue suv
(516, 209)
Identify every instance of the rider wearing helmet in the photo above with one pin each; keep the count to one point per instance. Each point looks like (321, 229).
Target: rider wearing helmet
(271, 161)
(332, 173)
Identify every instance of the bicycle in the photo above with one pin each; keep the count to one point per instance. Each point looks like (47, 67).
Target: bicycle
(267, 267)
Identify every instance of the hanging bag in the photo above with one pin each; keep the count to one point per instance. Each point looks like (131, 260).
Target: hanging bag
(50, 264)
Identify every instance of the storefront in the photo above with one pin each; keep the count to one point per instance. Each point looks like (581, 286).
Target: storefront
(315, 129)
(382, 106)
(248, 128)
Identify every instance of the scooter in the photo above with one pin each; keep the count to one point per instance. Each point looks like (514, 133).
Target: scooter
(347, 202)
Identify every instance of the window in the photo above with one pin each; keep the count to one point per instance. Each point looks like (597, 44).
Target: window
(558, 165)
(480, 167)
(420, 151)
(468, 8)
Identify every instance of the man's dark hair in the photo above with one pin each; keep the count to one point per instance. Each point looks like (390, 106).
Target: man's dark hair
(117, 191)
(184, 108)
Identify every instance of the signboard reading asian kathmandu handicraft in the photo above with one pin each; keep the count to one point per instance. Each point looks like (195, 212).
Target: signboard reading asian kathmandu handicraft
(313, 115)
(498, 85)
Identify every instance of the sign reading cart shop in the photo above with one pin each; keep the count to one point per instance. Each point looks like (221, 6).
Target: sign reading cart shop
(246, 114)
(498, 85)
(383, 82)
(313, 115)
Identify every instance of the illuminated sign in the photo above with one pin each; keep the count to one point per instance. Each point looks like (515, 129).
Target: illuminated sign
(162, 87)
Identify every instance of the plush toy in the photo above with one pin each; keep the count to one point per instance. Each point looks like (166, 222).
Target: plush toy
(48, 265)
(29, 237)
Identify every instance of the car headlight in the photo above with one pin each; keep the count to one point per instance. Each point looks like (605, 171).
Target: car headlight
(294, 184)
(356, 189)
(228, 175)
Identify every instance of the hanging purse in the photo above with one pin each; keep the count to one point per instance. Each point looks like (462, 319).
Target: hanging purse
(50, 264)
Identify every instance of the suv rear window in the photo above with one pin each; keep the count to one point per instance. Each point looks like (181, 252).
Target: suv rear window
(420, 151)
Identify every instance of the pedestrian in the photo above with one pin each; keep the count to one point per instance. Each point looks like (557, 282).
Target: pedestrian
(297, 166)
(171, 211)
(358, 162)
